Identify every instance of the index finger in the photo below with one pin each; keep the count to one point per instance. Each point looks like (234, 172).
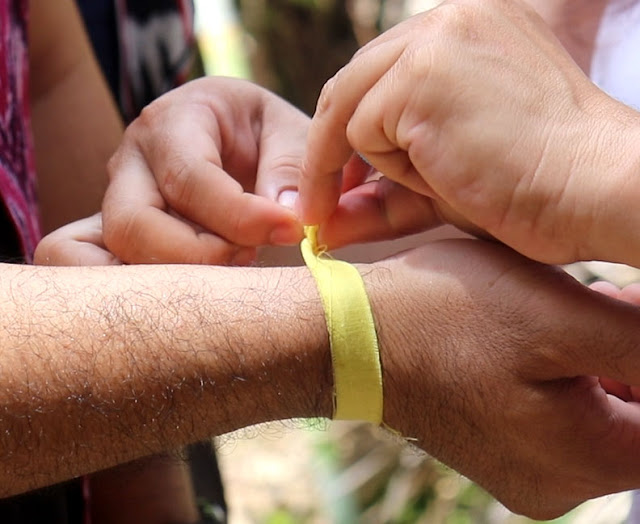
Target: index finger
(139, 229)
(328, 145)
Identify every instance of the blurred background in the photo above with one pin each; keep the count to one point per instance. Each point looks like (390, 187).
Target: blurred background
(315, 471)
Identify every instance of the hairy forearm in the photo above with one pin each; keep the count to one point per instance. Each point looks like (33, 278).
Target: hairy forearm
(101, 366)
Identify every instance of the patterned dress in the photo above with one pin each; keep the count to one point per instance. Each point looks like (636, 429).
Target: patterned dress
(145, 47)
(17, 175)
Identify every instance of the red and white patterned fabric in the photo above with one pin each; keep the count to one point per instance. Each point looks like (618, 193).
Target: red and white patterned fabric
(17, 173)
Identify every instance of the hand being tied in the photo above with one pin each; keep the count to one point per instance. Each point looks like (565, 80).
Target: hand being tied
(491, 362)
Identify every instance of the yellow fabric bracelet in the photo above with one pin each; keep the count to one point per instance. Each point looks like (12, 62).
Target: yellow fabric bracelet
(357, 373)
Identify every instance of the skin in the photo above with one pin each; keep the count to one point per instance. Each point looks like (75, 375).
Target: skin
(500, 347)
(122, 378)
(536, 160)
(71, 153)
(631, 295)
(154, 488)
(65, 85)
(206, 164)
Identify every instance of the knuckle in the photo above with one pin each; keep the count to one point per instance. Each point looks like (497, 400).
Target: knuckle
(113, 165)
(327, 93)
(355, 138)
(237, 219)
(452, 19)
(149, 114)
(176, 183)
(118, 235)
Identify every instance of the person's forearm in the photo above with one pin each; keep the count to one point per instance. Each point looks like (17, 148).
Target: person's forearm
(76, 125)
(99, 366)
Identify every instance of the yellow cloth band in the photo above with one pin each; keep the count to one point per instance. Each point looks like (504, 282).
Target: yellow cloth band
(357, 374)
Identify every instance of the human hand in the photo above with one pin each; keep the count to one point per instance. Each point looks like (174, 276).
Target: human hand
(76, 244)
(198, 176)
(490, 361)
(630, 294)
(476, 105)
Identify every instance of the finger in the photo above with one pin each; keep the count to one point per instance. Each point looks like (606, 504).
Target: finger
(77, 244)
(394, 119)
(378, 210)
(613, 387)
(84, 254)
(192, 181)
(607, 345)
(397, 163)
(328, 147)
(355, 172)
(631, 294)
(281, 146)
(621, 444)
(605, 288)
(139, 229)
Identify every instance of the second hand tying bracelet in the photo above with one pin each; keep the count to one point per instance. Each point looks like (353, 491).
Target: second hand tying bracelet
(357, 373)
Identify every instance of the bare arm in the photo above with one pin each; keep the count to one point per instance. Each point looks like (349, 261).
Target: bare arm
(99, 366)
(490, 361)
(75, 122)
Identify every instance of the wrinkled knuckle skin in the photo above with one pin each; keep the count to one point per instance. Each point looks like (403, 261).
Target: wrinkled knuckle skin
(110, 237)
(177, 188)
(355, 138)
(113, 166)
(326, 95)
(453, 19)
(149, 114)
(116, 232)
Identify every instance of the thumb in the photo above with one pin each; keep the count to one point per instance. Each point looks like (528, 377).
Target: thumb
(599, 336)
(378, 210)
(77, 244)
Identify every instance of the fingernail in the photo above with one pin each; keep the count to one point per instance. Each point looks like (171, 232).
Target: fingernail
(286, 235)
(287, 198)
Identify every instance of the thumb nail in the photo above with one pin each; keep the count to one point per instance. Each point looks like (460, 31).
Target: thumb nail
(287, 198)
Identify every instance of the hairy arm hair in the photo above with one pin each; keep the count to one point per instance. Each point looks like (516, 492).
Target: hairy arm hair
(99, 366)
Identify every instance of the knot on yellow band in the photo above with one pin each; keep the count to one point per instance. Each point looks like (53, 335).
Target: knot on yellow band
(311, 235)
(357, 373)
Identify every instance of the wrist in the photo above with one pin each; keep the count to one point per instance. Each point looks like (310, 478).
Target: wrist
(315, 376)
(270, 358)
(612, 232)
(392, 316)
(302, 358)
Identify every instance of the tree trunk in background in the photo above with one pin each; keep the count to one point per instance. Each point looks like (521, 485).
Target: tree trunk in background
(298, 45)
